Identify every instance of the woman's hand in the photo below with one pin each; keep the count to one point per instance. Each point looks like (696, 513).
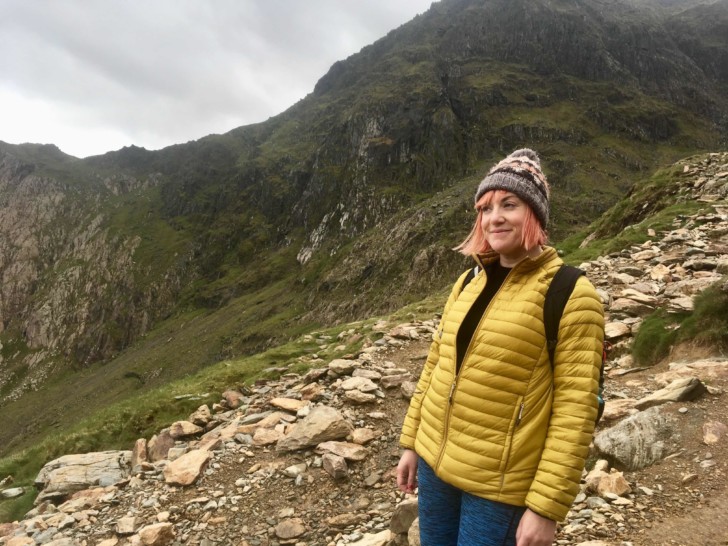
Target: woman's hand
(407, 471)
(535, 530)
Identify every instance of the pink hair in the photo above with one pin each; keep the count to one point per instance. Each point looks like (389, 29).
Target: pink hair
(476, 243)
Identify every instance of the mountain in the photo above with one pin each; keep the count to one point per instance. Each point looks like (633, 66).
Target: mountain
(307, 453)
(124, 271)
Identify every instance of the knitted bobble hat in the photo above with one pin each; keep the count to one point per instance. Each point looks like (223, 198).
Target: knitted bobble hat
(520, 173)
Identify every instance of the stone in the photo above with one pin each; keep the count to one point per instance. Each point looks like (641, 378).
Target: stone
(614, 483)
(363, 436)
(324, 423)
(266, 437)
(361, 384)
(407, 389)
(689, 286)
(404, 514)
(176, 452)
(64, 541)
(367, 373)
(159, 445)
(201, 416)
(126, 525)
(358, 397)
(372, 479)
(253, 418)
(714, 432)
(290, 528)
(701, 264)
(639, 440)
(186, 469)
(87, 498)
(661, 273)
(630, 307)
(413, 535)
(618, 408)
(139, 453)
(707, 370)
(639, 297)
(335, 465)
(616, 330)
(288, 404)
(71, 473)
(392, 381)
(232, 398)
(12, 492)
(342, 521)
(312, 392)
(620, 278)
(645, 255)
(351, 452)
(295, 470)
(342, 366)
(157, 534)
(680, 305)
(404, 331)
(182, 429)
(20, 541)
(687, 388)
(375, 539)
(271, 420)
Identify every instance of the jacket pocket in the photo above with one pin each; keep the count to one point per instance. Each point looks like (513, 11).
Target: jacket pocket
(508, 444)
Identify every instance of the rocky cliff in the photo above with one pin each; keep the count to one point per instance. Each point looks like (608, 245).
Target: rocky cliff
(71, 291)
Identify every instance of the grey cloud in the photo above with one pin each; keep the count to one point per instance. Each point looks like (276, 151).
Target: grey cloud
(168, 71)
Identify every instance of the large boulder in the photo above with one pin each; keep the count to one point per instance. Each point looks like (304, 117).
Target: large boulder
(322, 424)
(186, 469)
(70, 473)
(640, 440)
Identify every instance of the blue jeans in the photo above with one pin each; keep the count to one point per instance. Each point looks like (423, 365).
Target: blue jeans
(451, 517)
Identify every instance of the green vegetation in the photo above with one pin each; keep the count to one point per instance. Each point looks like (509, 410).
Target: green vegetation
(654, 339)
(652, 204)
(707, 325)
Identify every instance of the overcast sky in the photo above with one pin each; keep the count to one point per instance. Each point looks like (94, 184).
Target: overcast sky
(95, 75)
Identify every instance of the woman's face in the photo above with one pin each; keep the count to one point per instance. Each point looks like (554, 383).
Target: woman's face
(503, 223)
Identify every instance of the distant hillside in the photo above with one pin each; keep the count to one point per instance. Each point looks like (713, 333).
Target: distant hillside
(124, 271)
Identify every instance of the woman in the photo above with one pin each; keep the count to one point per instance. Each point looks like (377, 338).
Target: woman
(495, 435)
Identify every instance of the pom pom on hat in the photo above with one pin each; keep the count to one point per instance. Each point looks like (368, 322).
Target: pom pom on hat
(521, 174)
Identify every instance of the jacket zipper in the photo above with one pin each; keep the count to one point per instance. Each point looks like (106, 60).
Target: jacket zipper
(520, 414)
(509, 444)
(453, 387)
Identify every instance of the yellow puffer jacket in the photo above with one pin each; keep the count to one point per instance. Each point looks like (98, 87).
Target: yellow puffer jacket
(509, 427)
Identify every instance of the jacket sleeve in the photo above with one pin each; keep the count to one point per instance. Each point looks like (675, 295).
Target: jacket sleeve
(412, 419)
(577, 363)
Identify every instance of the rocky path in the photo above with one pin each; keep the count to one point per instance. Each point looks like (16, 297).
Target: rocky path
(309, 460)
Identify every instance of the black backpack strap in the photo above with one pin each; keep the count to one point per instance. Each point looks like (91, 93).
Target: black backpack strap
(558, 293)
(469, 277)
